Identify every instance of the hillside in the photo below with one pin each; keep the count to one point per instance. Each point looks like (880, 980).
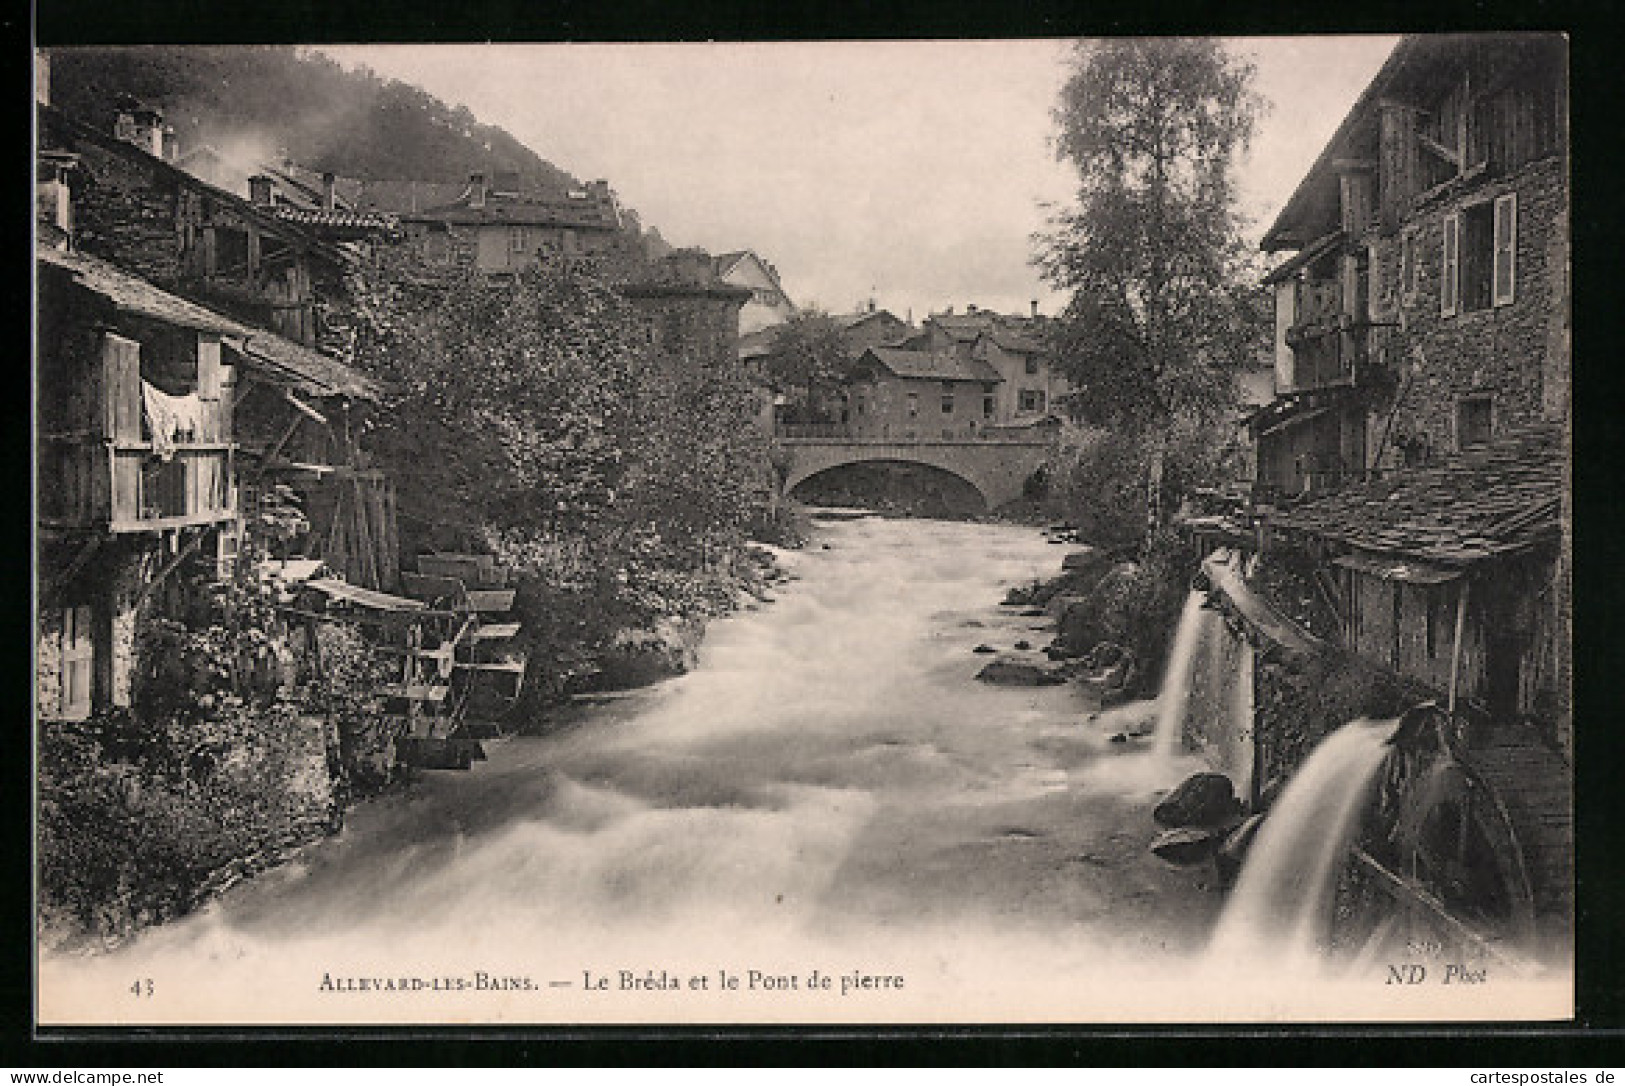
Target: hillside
(275, 100)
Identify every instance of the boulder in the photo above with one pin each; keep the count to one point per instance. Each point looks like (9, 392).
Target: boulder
(1013, 671)
(1203, 799)
(985, 649)
(1187, 845)
(1024, 645)
(642, 656)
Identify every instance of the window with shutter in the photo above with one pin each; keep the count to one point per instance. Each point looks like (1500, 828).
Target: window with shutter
(1450, 266)
(1506, 247)
(78, 660)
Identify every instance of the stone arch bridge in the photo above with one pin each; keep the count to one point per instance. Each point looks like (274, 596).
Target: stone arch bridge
(997, 467)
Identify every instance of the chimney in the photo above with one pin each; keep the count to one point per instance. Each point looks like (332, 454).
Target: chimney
(140, 125)
(42, 77)
(259, 190)
(970, 307)
(871, 305)
(1034, 304)
(476, 190)
(328, 183)
(53, 195)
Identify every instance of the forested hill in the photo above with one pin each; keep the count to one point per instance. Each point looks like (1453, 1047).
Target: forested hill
(270, 100)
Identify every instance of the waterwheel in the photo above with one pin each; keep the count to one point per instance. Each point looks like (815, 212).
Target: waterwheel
(1438, 868)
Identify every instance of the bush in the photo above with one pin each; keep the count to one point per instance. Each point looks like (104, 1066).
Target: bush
(137, 824)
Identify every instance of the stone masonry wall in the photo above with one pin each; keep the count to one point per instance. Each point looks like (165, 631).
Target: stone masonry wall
(1516, 353)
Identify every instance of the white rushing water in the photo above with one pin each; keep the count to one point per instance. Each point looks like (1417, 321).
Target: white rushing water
(1280, 907)
(1173, 700)
(830, 797)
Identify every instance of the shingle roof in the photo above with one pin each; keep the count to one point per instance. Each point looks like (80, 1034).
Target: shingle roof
(1497, 499)
(934, 367)
(292, 363)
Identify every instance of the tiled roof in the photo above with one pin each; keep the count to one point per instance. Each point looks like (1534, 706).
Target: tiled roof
(933, 367)
(852, 320)
(1493, 500)
(536, 209)
(294, 364)
(337, 218)
(1014, 342)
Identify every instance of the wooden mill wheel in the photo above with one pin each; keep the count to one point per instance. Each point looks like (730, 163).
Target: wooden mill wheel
(1437, 866)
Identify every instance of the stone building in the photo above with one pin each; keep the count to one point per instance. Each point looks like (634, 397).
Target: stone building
(122, 201)
(690, 315)
(1425, 306)
(498, 226)
(1410, 505)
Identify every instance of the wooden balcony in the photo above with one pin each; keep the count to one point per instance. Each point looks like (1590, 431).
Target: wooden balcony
(121, 487)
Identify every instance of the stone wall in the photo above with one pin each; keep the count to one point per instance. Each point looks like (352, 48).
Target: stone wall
(1516, 353)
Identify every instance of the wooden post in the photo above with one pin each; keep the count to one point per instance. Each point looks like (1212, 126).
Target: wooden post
(1455, 649)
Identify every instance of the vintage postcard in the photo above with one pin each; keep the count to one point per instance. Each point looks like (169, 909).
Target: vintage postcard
(932, 532)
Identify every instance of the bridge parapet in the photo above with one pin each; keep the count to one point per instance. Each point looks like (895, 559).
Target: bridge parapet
(998, 467)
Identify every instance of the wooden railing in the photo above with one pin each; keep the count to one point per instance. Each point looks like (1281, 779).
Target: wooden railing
(122, 487)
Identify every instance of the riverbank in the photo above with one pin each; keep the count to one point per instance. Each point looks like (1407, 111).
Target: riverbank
(829, 788)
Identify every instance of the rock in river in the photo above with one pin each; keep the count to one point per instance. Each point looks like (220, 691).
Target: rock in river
(1187, 845)
(1204, 799)
(1016, 671)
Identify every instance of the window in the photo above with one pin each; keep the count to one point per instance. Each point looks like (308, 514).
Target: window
(947, 403)
(913, 405)
(1032, 399)
(1032, 365)
(78, 659)
(1475, 418)
(1480, 256)
(516, 239)
(1407, 264)
(987, 407)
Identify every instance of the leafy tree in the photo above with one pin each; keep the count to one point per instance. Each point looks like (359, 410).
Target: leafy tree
(1162, 304)
(810, 359)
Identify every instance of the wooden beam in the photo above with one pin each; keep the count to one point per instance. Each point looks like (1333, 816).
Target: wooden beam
(1417, 895)
(1455, 649)
(1428, 143)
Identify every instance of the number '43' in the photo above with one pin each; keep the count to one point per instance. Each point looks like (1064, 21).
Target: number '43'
(142, 987)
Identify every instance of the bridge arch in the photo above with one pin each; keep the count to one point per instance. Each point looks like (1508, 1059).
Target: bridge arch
(960, 495)
(995, 469)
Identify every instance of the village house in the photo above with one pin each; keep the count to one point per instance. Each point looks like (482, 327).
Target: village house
(122, 201)
(769, 304)
(1413, 465)
(499, 227)
(1425, 307)
(171, 412)
(910, 395)
(690, 315)
(1423, 363)
(1030, 390)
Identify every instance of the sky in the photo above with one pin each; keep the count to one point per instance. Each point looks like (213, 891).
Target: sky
(912, 173)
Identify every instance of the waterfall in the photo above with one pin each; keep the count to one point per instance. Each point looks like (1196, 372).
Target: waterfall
(1280, 906)
(1174, 697)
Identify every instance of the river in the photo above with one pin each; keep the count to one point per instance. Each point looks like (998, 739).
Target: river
(829, 798)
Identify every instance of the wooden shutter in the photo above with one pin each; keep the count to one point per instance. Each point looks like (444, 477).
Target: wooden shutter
(1450, 267)
(121, 388)
(78, 660)
(1506, 248)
